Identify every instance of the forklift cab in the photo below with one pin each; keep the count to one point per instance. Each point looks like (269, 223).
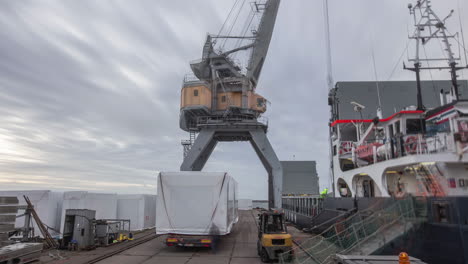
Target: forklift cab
(273, 238)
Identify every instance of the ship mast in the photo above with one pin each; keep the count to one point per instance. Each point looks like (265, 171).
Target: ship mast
(330, 81)
(429, 27)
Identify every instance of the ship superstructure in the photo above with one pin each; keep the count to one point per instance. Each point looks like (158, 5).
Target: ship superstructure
(416, 150)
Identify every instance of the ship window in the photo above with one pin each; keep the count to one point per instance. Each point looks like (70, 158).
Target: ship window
(334, 150)
(441, 212)
(260, 102)
(433, 128)
(223, 99)
(195, 92)
(414, 126)
(397, 127)
(346, 164)
(390, 129)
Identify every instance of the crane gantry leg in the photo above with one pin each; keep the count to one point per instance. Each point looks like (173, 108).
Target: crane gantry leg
(207, 139)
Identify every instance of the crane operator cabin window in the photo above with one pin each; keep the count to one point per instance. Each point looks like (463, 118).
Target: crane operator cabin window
(260, 102)
(195, 92)
(223, 98)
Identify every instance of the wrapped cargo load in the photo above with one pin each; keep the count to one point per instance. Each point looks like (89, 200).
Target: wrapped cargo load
(105, 204)
(196, 203)
(48, 205)
(140, 209)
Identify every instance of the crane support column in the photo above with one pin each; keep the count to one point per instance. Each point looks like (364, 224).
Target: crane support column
(206, 141)
(270, 161)
(200, 151)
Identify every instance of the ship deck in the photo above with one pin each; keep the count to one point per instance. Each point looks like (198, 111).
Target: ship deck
(237, 247)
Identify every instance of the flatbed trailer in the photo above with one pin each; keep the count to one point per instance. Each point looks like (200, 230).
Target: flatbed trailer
(205, 241)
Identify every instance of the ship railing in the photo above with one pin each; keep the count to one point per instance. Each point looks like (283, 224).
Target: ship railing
(352, 233)
(346, 147)
(306, 205)
(401, 146)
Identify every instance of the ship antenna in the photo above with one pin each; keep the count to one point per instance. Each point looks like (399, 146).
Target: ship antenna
(429, 26)
(330, 81)
(462, 34)
(379, 108)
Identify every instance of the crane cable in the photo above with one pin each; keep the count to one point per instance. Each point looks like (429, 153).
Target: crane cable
(244, 29)
(376, 77)
(399, 60)
(244, 32)
(229, 15)
(233, 24)
(462, 35)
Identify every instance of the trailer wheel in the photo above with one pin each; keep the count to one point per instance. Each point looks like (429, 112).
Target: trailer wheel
(214, 244)
(264, 256)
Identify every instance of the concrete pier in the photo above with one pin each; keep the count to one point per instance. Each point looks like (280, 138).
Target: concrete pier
(236, 248)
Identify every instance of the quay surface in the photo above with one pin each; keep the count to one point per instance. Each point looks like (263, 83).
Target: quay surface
(236, 248)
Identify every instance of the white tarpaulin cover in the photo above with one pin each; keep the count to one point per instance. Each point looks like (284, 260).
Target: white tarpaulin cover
(48, 205)
(196, 203)
(105, 204)
(140, 209)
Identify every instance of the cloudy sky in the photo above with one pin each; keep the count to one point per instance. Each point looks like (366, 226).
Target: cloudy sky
(89, 90)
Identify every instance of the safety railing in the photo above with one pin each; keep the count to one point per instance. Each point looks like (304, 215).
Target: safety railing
(218, 120)
(397, 147)
(190, 77)
(351, 233)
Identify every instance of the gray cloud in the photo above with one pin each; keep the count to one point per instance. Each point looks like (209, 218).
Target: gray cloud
(89, 90)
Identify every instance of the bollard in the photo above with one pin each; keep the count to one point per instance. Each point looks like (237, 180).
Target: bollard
(403, 258)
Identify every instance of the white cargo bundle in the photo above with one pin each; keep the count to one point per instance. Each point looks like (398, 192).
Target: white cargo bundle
(196, 203)
(140, 209)
(104, 204)
(47, 204)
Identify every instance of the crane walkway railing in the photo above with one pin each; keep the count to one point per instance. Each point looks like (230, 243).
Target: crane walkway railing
(360, 234)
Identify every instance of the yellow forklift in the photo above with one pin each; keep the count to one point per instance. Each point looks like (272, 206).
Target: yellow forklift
(273, 238)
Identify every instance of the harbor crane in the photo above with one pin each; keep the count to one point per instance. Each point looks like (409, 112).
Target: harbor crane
(219, 102)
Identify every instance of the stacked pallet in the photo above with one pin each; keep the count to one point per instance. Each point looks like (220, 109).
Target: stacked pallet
(48, 205)
(8, 211)
(18, 252)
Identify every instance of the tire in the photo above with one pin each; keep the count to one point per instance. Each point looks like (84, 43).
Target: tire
(264, 256)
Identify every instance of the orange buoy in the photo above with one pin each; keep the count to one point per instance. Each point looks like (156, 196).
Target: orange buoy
(411, 144)
(403, 258)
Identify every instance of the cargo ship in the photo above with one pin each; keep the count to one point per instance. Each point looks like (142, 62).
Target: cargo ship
(393, 140)
(398, 160)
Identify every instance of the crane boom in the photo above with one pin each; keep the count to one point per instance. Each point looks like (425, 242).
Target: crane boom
(262, 41)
